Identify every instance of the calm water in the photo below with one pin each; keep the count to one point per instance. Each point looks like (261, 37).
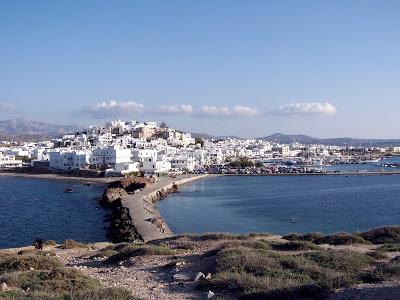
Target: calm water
(32, 208)
(317, 203)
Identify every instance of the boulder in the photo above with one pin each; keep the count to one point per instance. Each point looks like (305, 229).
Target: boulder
(199, 276)
(181, 277)
(112, 194)
(3, 287)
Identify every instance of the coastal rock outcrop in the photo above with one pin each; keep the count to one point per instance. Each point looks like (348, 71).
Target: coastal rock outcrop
(122, 228)
(131, 184)
(110, 195)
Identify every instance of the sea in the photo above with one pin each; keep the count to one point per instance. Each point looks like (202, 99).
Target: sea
(284, 204)
(33, 208)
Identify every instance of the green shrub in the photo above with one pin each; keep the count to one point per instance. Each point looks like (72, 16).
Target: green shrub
(12, 263)
(341, 238)
(343, 260)
(50, 243)
(102, 294)
(377, 254)
(71, 244)
(253, 244)
(56, 281)
(390, 248)
(220, 236)
(132, 250)
(295, 246)
(293, 237)
(263, 274)
(383, 235)
(105, 252)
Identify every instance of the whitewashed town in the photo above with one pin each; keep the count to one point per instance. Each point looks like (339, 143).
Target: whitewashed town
(146, 148)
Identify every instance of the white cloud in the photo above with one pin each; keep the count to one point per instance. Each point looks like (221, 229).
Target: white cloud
(306, 108)
(4, 106)
(112, 108)
(225, 111)
(181, 109)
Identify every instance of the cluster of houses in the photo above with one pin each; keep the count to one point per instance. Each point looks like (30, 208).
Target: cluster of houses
(148, 148)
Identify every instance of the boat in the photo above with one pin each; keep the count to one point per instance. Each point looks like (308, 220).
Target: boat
(68, 191)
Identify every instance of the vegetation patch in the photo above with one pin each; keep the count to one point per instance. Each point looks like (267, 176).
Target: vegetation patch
(383, 235)
(57, 280)
(50, 243)
(71, 244)
(254, 272)
(13, 263)
(390, 247)
(340, 238)
(131, 250)
(295, 246)
(95, 294)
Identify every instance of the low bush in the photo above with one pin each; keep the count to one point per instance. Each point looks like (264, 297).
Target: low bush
(265, 274)
(295, 246)
(71, 244)
(102, 294)
(95, 294)
(341, 238)
(377, 254)
(343, 260)
(383, 235)
(13, 263)
(50, 243)
(390, 248)
(220, 236)
(106, 252)
(252, 244)
(132, 250)
(56, 281)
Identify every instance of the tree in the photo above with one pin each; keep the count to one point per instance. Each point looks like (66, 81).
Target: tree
(200, 141)
(242, 162)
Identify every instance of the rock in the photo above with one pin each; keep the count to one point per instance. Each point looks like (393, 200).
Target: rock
(180, 263)
(3, 287)
(208, 276)
(112, 194)
(181, 277)
(199, 276)
(210, 295)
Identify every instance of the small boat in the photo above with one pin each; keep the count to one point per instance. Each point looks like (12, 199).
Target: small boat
(292, 220)
(68, 191)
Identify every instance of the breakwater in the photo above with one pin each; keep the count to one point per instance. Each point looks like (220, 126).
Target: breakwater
(134, 213)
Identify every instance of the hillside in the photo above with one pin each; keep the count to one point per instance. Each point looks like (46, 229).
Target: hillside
(210, 266)
(346, 141)
(26, 129)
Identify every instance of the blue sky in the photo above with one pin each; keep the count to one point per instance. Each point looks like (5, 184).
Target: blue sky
(249, 68)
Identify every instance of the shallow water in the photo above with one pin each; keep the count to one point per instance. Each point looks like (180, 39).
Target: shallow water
(31, 208)
(242, 204)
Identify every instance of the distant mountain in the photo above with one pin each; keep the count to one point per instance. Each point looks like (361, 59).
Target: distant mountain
(22, 127)
(210, 136)
(305, 139)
